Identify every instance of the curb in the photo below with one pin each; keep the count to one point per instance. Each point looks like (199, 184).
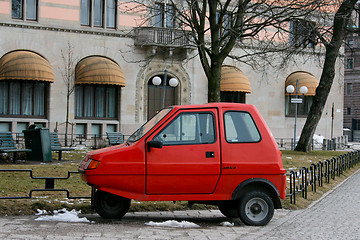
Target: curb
(332, 190)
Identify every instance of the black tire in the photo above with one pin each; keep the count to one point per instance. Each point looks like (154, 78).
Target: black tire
(110, 206)
(229, 210)
(256, 208)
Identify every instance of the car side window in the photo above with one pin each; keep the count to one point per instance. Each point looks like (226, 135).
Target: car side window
(188, 128)
(240, 128)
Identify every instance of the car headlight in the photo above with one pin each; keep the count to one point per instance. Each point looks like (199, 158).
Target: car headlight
(88, 164)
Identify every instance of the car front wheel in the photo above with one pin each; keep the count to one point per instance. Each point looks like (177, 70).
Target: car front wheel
(256, 208)
(110, 206)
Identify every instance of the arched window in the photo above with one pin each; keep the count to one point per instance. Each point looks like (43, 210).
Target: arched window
(98, 82)
(24, 83)
(233, 85)
(304, 79)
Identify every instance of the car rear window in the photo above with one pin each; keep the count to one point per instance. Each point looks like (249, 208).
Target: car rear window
(240, 128)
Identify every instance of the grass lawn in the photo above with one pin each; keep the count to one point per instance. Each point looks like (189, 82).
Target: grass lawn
(19, 184)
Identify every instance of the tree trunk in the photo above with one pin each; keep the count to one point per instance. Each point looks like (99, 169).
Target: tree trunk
(214, 84)
(67, 118)
(341, 20)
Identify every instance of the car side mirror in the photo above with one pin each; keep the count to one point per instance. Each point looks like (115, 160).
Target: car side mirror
(154, 144)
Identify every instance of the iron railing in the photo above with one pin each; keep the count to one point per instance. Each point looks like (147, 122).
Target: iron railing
(155, 36)
(302, 179)
(49, 185)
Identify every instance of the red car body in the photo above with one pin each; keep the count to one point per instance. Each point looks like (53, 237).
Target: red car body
(216, 169)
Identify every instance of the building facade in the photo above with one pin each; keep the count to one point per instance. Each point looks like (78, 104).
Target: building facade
(113, 58)
(352, 87)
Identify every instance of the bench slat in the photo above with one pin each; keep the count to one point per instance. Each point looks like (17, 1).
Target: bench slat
(115, 138)
(7, 145)
(56, 146)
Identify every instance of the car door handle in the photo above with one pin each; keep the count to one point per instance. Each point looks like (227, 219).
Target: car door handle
(209, 154)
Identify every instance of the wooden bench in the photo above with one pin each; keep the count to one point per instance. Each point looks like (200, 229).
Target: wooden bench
(115, 138)
(7, 145)
(56, 146)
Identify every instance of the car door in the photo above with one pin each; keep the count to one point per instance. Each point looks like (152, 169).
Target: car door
(189, 160)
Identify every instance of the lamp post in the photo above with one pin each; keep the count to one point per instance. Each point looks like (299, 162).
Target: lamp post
(303, 90)
(173, 82)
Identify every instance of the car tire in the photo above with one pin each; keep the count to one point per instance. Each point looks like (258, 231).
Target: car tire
(229, 210)
(110, 206)
(256, 208)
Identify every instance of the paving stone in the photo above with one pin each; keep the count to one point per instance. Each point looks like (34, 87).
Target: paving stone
(336, 216)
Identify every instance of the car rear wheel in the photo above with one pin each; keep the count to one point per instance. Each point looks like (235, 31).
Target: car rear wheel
(256, 208)
(229, 210)
(110, 206)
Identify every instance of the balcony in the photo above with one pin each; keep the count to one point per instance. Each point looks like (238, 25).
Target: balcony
(161, 37)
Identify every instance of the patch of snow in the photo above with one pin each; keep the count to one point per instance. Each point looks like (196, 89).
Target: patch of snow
(173, 223)
(227, 224)
(62, 215)
(41, 212)
(318, 141)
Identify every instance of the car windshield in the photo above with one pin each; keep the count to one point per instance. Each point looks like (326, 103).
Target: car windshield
(148, 125)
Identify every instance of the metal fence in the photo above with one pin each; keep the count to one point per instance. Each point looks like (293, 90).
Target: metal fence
(94, 141)
(310, 177)
(49, 185)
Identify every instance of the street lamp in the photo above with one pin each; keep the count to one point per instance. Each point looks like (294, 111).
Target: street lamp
(303, 90)
(173, 82)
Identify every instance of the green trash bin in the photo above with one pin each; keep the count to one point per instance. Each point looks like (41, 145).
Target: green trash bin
(38, 140)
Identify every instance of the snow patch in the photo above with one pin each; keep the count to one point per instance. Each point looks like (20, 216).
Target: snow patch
(173, 223)
(62, 215)
(227, 224)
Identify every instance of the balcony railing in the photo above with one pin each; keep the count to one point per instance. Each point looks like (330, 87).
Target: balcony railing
(165, 37)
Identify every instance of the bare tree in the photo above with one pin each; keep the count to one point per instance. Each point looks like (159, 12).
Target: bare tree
(216, 27)
(337, 33)
(68, 74)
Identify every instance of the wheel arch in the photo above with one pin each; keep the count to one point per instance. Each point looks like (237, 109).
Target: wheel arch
(258, 184)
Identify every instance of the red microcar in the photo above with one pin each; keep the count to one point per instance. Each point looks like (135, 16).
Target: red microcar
(220, 153)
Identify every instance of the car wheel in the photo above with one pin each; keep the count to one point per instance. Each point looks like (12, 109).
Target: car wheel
(110, 206)
(229, 210)
(256, 208)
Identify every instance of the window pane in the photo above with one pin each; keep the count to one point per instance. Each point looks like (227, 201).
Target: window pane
(85, 12)
(79, 103)
(180, 131)
(96, 130)
(303, 108)
(111, 102)
(27, 98)
(14, 99)
(197, 128)
(89, 101)
(39, 99)
(240, 128)
(4, 97)
(170, 16)
(110, 13)
(16, 9)
(5, 127)
(158, 18)
(350, 63)
(207, 130)
(100, 101)
(80, 129)
(31, 7)
(21, 127)
(111, 128)
(98, 13)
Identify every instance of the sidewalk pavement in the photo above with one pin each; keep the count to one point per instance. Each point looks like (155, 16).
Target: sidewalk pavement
(335, 216)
